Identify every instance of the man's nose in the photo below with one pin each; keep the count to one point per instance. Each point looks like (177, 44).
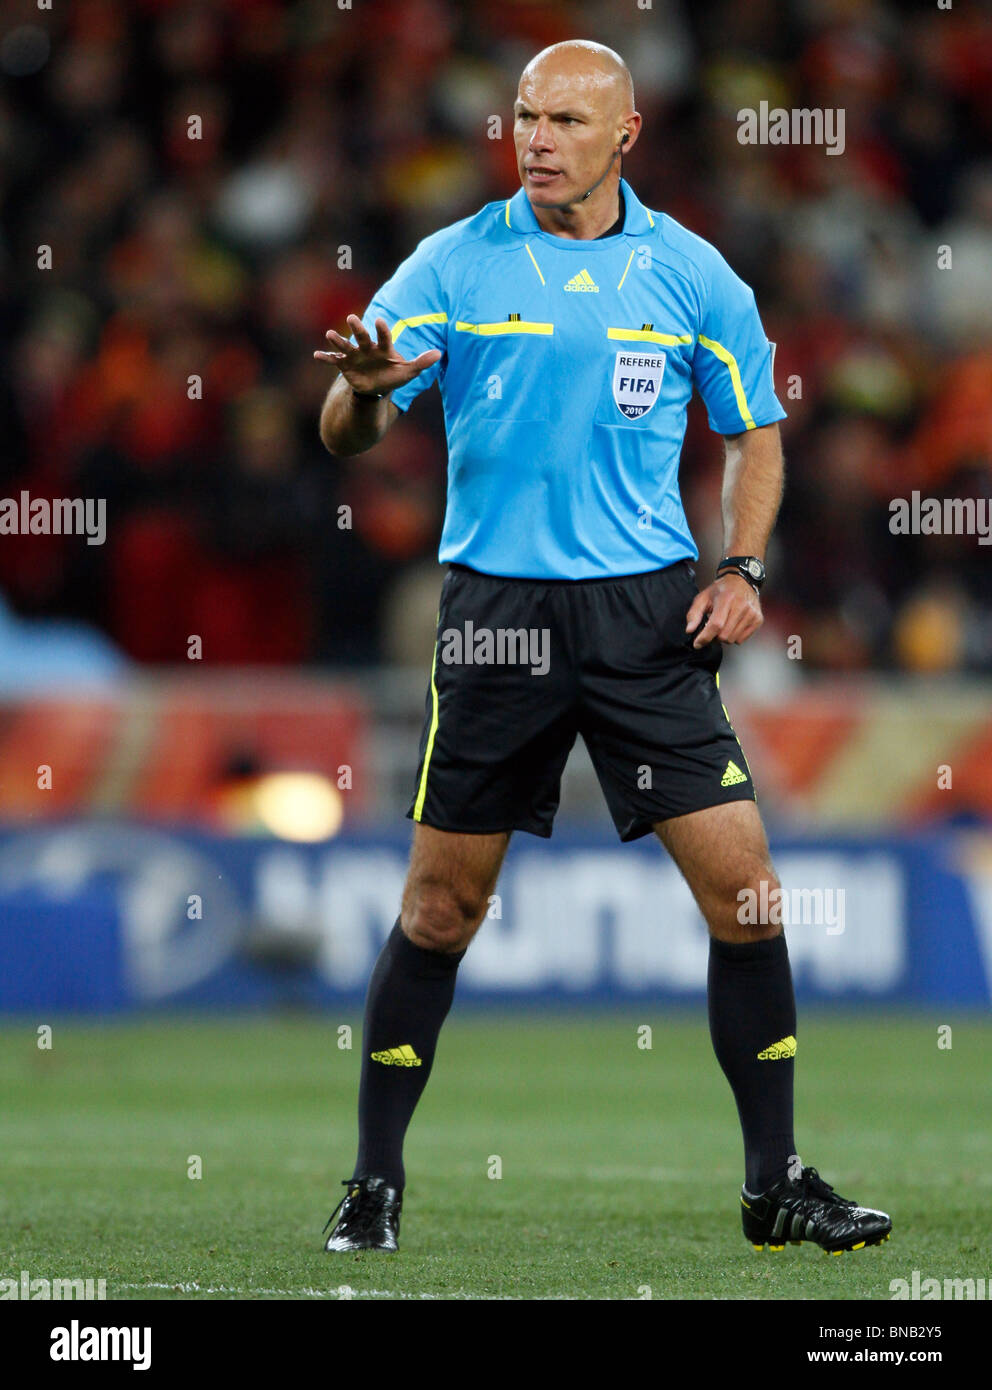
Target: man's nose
(543, 137)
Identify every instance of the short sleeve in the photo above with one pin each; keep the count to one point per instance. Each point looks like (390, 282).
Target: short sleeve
(413, 304)
(732, 363)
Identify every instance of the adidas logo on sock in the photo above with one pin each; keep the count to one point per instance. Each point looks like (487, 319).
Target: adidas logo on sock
(785, 1047)
(732, 776)
(403, 1056)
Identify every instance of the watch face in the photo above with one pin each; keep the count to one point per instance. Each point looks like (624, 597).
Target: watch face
(755, 568)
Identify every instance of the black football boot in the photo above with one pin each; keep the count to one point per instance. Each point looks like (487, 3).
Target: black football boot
(369, 1219)
(807, 1208)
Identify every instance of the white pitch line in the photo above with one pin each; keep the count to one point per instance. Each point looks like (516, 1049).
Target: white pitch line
(308, 1292)
(304, 1292)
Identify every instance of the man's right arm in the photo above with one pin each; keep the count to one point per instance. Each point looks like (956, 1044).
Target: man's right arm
(357, 411)
(350, 424)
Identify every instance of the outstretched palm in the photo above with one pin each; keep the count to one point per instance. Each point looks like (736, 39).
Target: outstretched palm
(373, 367)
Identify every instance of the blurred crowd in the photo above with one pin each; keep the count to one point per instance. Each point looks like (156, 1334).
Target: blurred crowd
(221, 181)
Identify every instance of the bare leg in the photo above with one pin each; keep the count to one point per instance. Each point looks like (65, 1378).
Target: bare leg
(448, 886)
(721, 852)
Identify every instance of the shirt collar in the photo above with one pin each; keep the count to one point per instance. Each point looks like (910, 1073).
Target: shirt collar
(518, 214)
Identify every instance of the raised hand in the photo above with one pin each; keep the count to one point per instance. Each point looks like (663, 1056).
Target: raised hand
(373, 367)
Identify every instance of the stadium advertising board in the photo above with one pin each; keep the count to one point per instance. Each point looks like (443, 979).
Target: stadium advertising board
(111, 918)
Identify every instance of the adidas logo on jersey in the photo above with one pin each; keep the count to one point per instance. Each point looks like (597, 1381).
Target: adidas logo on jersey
(733, 776)
(582, 281)
(785, 1047)
(403, 1056)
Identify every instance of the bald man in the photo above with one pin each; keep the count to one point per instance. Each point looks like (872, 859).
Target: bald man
(567, 328)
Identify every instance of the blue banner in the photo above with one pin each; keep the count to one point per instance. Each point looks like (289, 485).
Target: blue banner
(105, 918)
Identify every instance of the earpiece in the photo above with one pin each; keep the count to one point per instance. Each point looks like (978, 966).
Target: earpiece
(625, 138)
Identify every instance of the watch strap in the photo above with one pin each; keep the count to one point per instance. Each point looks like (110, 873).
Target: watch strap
(741, 564)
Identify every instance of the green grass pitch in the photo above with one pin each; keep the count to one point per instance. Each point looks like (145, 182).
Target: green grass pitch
(620, 1165)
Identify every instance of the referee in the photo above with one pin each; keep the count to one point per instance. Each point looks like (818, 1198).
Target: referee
(567, 327)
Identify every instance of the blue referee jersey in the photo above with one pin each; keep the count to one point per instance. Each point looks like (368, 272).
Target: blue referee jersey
(566, 371)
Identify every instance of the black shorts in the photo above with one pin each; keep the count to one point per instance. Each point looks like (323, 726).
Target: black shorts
(521, 666)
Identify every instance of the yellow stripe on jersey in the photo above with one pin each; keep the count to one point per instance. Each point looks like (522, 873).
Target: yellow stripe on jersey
(730, 361)
(531, 255)
(415, 322)
(647, 335)
(505, 326)
(625, 269)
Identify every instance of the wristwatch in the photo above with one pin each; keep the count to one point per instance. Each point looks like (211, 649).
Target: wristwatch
(369, 395)
(749, 567)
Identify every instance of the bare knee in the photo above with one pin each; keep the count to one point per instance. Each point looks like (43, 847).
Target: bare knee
(748, 906)
(440, 917)
(448, 884)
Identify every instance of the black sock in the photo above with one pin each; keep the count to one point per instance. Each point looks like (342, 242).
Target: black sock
(409, 996)
(752, 1007)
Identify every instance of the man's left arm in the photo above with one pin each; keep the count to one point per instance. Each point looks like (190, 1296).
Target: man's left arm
(752, 491)
(732, 367)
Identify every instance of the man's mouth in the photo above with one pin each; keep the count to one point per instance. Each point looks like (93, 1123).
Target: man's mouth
(539, 173)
